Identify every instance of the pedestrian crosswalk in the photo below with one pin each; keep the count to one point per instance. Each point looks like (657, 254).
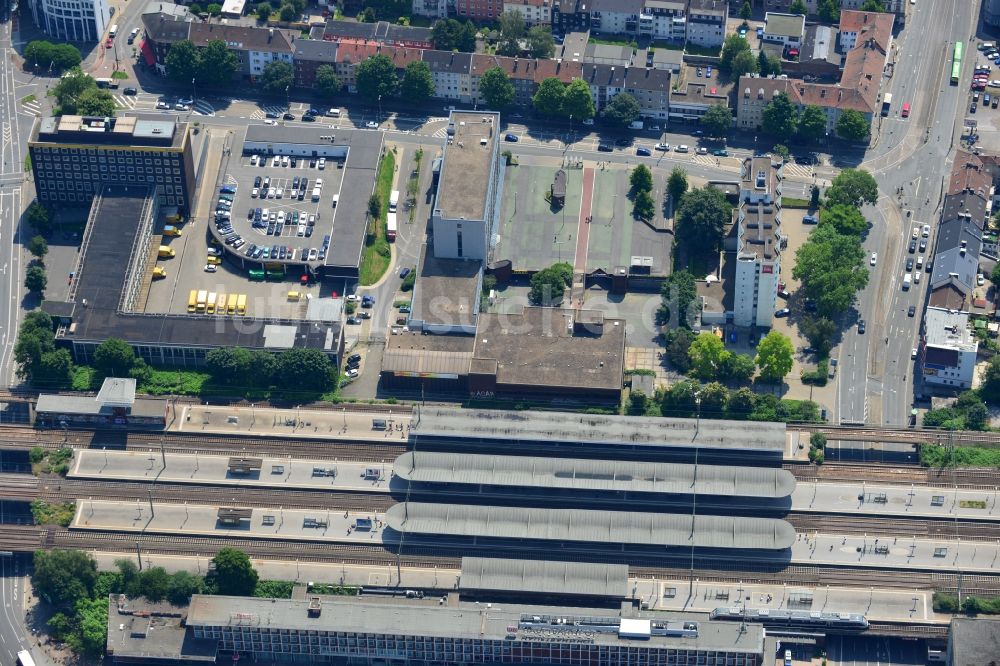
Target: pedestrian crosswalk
(125, 101)
(31, 106)
(802, 170)
(203, 108)
(264, 110)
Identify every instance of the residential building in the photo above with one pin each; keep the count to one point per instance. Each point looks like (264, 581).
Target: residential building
(464, 216)
(956, 253)
(310, 55)
(666, 20)
(787, 30)
(71, 20)
(856, 26)
(615, 17)
(534, 12)
(758, 242)
(948, 349)
(452, 73)
(818, 56)
(571, 15)
(706, 22)
(435, 9)
(349, 54)
(253, 47)
(271, 630)
(160, 30)
(73, 157)
(479, 10)
(650, 87)
(756, 92)
(383, 32)
(693, 95)
(894, 8)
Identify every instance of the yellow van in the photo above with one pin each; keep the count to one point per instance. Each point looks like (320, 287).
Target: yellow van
(294, 295)
(241, 305)
(171, 230)
(210, 303)
(220, 304)
(215, 261)
(193, 300)
(231, 304)
(202, 300)
(159, 273)
(166, 252)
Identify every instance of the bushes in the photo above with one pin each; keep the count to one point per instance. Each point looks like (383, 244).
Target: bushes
(971, 605)
(719, 402)
(935, 455)
(54, 57)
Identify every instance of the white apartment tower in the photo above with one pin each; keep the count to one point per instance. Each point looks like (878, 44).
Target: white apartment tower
(758, 243)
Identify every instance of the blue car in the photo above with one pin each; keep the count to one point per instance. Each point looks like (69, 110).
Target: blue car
(643, 152)
(511, 138)
(227, 189)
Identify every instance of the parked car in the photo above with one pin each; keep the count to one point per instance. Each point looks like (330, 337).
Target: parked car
(404, 272)
(643, 152)
(130, 91)
(662, 146)
(510, 137)
(861, 326)
(720, 152)
(783, 312)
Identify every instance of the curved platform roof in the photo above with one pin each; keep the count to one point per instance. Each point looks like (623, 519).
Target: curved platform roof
(603, 527)
(593, 475)
(546, 427)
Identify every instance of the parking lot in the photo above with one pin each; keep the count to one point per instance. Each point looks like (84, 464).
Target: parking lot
(280, 206)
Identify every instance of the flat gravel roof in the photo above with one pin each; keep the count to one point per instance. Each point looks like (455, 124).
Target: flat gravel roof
(604, 527)
(593, 475)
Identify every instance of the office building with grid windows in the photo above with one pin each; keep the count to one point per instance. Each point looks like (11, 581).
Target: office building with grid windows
(72, 157)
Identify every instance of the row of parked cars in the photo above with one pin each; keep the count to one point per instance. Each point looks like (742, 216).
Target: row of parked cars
(224, 218)
(274, 223)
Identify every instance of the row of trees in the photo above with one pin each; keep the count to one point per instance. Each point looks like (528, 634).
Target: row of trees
(641, 193)
(212, 65)
(53, 57)
(689, 398)
(77, 93)
(708, 358)
(781, 119)
(737, 59)
(377, 79)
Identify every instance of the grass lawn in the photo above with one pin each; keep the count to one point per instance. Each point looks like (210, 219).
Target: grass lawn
(793, 202)
(702, 50)
(52, 514)
(613, 42)
(119, 75)
(376, 255)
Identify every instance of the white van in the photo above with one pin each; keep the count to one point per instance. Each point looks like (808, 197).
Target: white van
(393, 201)
(906, 282)
(315, 194)
(336, 199)
(113, 31)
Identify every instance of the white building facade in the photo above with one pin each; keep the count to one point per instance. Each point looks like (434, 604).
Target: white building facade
(72, 20)
(948, 356)
(759, 241)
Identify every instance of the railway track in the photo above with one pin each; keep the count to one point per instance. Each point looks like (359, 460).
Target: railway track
(979, 479)
(894, 526)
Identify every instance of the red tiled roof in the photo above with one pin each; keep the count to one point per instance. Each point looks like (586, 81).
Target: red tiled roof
(968, 173)
(868, 24)
(351, 51)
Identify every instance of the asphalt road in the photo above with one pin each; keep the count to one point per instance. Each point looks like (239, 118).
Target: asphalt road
(876, 373)
(13, 634)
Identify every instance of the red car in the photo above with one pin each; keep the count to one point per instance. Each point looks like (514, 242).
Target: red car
(108, 44)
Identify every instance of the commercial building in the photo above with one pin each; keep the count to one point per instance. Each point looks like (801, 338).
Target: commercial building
(423, 631)
(706, 22)
(973, 641)
(788, 30)
(759, 242)
(114, 405)
(71, 20)
(466, 204)
(73, 157)
(948, 354)
(693, 96)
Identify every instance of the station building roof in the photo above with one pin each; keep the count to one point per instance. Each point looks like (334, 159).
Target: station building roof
(599, 527)
(480, 424)
(593, 475)
(543, 577)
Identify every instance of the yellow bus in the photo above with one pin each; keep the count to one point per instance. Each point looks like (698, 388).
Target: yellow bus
(202, 300)
(220, 304)
(231, 304)
(241, 305)
(193, 300)
(210, 309)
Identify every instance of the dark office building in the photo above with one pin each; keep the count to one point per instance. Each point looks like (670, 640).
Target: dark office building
(73, 156)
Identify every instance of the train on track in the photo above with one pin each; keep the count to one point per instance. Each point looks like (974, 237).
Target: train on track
(793, 619)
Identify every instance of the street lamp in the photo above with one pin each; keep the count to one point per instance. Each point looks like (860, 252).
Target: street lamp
(288, 103)
(380, 108)
(194, 92)
(694, 485)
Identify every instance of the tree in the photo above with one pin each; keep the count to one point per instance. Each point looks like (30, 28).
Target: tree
(701, 217)
(54, 369)
(708, 356)
(38, 218)
(641, 179)
(327, 83)
(234, 573)
(64, 577)
(873, 6)
(35, 279)
(52, 57)
(367, 15)
(718, 120)
(741, 402)
(35, 339)
(154, 583)
(638, 403)
(845, 219)
(733, 46)
(376, 77)
(374, 206)
(746, 11)
(774, 356)
(773, 65)
(643, 206)
(577, 102)
(740, 367)
(812, 124)
(677, 184)
(819, 331)
(287, 13)
(852, 126)
(995, 274)
(779, 117)
(814, 197)
(798, 7)
(93, 102)
(196, 9)
(829, 11)
(217, 64)
(548, 284)
(763, 65)
(38, 247)
(742, 64)
(990, 388)
(214, 9)
(418, 83)
(510, 25)
(853, 187)
(714, 397)
(548, 99)
(233, 365)
(114, 358)
(496, 89)
(831, 268)
(621, 110)
(452, 35)
(781, 150)
(540, 42)
(183, 61)
(305, 369)
(677, 343)
(263, 11)
(676, 294)
(92, 626)
(277, 77)
(182, 586)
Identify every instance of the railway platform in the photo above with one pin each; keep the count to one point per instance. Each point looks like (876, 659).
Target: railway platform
(886, 500)
(328, 424)
(264, 472)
